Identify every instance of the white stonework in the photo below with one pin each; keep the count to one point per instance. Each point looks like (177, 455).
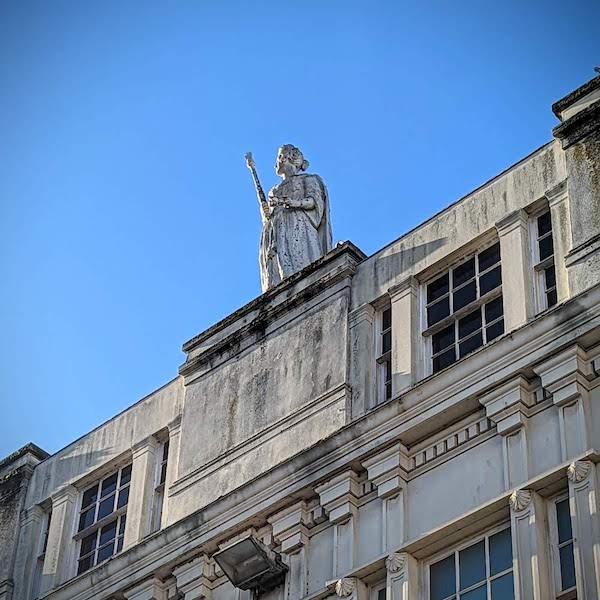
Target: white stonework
(276, 427)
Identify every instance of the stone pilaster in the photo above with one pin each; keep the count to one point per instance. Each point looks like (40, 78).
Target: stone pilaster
(529, 529)
(565, 377)
(405, 331)
(290, 531)
(507, 406)
(513, 233)
(172, 465)
(143, 473)
(351, 588)
(558, 201)
(194, 579)
(151, 589)
(387, 470)
(59, 560)
(33, 520)
(339, 498)
(584, 495)
(402, 577)
(362, 359)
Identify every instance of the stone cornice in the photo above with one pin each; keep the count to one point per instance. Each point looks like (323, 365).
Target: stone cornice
(517, 218)
(580, 125)
(560, 105)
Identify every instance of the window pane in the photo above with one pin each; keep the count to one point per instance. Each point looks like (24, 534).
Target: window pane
(388, 390)
(123, 497)
(386, 342)
(442, 339)
(477, 594)
(495, 330)
(87, 518)
(563, 518)
(122, 525)
(546, 247)
(491, 280)
(500, 552)
(544, 223)
(106, 552)
(503, 588)
(386, 319)
(463, 273)
(438, 311)
(125, 475)
(381, 594)
(166, 444)
(442, 578)
(436, 289)
(493, 310)
(469, 323)
(470, 344)
(89, 496)
(88, 543)
(444, 360)
(108, 532)
(464, 295)
(489, 257)
(550, 274)
(109, 485)
(163, 469)
(567, 566)
(119, 544)
(85, 564)
(471, 565)
(551, 297)
(106, 507)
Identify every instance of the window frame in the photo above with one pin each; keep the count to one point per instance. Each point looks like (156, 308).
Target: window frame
(158, 496)
(375, 588)
(428, 331)
(383, 358)
(539, 266)
(559, 593)
(455, 550)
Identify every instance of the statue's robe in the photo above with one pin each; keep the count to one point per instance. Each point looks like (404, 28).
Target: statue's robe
(293, 238)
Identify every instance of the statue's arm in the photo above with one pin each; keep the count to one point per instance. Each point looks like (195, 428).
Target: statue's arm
(310, 197)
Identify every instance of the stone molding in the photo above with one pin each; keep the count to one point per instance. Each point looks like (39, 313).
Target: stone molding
(290, 527)
(557, 194)
(193, 578)
(520, 500)
(410, 285)
(174, 425)
(506, 404)
(339, 496)
(517, 218)
(362, 314)
(152, 589)
(579, 470)
(579, 126)
(68, 493)
(581, 252)
(387, 470)
(149, 444)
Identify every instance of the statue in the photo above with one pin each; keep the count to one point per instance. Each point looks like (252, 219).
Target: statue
(296, 226)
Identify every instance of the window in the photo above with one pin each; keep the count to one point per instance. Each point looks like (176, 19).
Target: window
(384, 354)
(378, 592)
(464, 307)
(480, 571)
(562, 537)
(543, 258)
(43, 546)
(159, 487)
(102, 519)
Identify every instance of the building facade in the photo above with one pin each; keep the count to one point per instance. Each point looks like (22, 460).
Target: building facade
(419, 424)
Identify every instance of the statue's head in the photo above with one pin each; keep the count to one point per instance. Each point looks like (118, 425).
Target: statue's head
(289, 161)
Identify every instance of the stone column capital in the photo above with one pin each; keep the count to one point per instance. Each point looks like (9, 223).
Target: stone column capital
(351, 588)
(32, 514)
(151, 589)
(174, 425)
(410, 285)
(149, 444)
(387, 470)
(517, 218)
(557, 194)
(397, 562)
(290, 527)
(362, 314)
(339, 496)
(579, 470)
(520, 500)
(67, 493)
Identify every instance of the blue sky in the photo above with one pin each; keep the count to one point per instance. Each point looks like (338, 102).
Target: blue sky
(128, 221)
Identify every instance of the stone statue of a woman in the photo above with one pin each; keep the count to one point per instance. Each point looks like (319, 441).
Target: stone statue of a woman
(296, 225)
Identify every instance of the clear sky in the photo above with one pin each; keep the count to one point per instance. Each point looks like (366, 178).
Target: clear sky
(128, 221)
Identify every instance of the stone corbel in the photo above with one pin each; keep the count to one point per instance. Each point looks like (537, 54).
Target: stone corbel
(194, 579)
(508, 407)
(151, 589)
(402, 576)
(566, 376)
(351, 588)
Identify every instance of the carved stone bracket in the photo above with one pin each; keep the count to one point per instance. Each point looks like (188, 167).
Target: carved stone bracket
(520, 500)
(352, 588)
(579, 470)
(396, 562)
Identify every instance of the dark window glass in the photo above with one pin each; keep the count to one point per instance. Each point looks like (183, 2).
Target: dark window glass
(109, 485)
(436, 289)
(123, 497)
(166, 444)
(464, 295)
(89, 496)
(387, 382)
(442, 339)
(479, 593)
(469, 324)
(386, 342)
(386, 319)
(88, 544)
(493, 310)
(119, 544)
(106, 507)
(544, 223)
(122, 525)
(500, 552)
(441, 361)
(551, 298)
(471, 565)
(503, 588)
(163, 468)
(87, 518)
(494, 331)
(108, 532)
(126, 475)
(489, 257)
(550, 274)
(567, 566)
(106, 552)
(84, 564)
(563, 518)
(470, 344)
(546, 247)
(463, 273)
(436, 312)
(442, 578)
(381, 594)
(491, 280)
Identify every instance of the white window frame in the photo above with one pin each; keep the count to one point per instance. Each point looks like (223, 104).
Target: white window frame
(382, 357)
(376, 588)
(571, 592)
(463, 545)
(158, 497)
(539, 266)
(427, 331)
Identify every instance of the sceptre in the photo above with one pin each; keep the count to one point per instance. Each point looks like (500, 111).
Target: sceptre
(259, 191)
